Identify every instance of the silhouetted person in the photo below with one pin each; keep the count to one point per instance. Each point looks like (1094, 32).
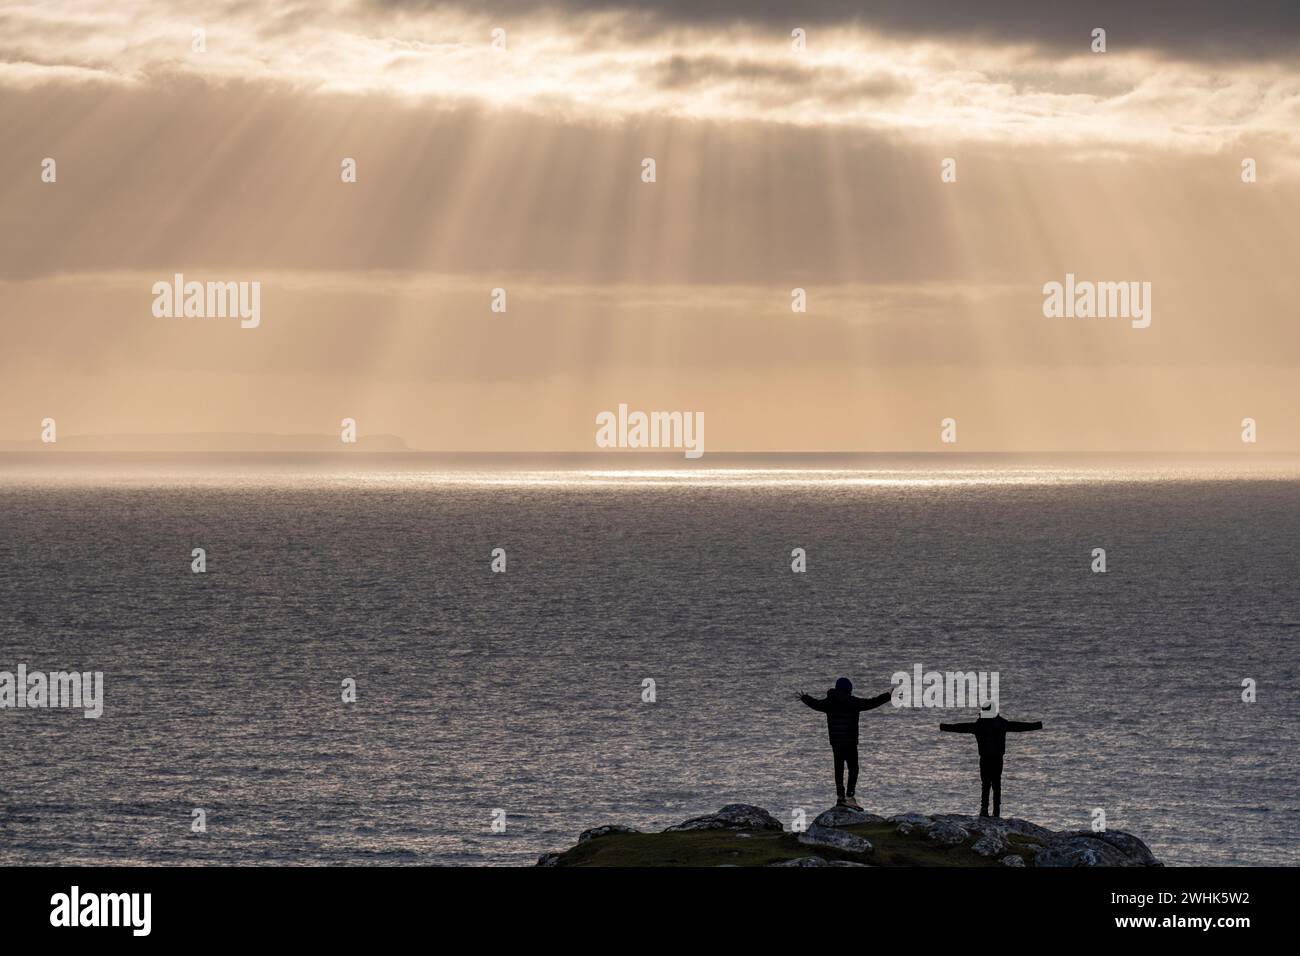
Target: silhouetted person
(841, 709)
(991, 736)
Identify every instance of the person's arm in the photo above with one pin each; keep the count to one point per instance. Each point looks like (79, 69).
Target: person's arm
(871, 703)
(1018, 726)
(967, 728)
(813, 702)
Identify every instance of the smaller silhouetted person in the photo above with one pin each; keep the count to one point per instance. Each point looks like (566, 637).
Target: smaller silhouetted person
(991, 736)
(841, 709)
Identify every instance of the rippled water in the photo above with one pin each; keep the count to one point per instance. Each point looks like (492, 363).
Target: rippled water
(523, 691)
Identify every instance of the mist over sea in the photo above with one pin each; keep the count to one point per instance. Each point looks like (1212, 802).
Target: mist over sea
(522, 691)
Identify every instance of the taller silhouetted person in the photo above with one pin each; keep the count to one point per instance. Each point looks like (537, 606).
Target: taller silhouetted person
(841, 709)
(991, 736)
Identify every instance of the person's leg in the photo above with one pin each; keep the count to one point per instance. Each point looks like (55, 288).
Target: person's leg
(997, 787)
(851, 757)
(839, 772)
(986, 781)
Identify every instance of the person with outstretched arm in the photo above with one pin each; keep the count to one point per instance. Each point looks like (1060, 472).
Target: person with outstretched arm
(841, 709)
(991, 737)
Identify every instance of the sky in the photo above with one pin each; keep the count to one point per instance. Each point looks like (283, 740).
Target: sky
(514, 160)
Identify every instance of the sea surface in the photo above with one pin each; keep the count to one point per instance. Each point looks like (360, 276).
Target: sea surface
(522, 692)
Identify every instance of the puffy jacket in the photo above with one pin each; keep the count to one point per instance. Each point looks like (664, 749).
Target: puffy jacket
(842, 711)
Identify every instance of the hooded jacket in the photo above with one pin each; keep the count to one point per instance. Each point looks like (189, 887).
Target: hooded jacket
(841, 712)
(991, 732)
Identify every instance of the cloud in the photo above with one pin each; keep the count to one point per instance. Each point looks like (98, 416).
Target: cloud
(773, 83)
(481, 168)
(1244, 29)
(921, 90)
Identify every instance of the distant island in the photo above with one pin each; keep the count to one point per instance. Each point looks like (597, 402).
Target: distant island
(744, 835)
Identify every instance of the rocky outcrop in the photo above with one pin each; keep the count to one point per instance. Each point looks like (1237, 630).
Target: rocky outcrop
(912, 819)
(734, 816)
(839, 816)
(990, 844)
(945, 833)
(840, 841)
(839, 837)
(594, 832)
(997, 825)
(1129, 844)
(816, 861)
(993, 837)
(1110, 848)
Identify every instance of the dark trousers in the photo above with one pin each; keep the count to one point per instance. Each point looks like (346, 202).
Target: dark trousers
(991, 778)
(845, 754)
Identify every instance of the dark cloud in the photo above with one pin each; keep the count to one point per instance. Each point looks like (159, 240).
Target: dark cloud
(1210, 29)
(679, 72)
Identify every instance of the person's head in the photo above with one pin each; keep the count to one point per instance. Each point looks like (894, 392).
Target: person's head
(844, 686)
(988, 710)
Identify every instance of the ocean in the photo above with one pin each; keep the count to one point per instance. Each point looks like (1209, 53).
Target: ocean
(519, 697)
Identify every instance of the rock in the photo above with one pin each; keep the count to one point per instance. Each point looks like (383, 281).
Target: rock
(1131, 846)
(816, 861)
(803, 861)
(997, 825)
(1023, 827)
(1070, 848)
(832, 839)
(1067, 855)
(904, 829)
(945, 833)
(845, 817)
(734, 816)
(1012, 860)
(549, 859)
(991, 844)
(915, 819)
(1082, 851)
(594, 832)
